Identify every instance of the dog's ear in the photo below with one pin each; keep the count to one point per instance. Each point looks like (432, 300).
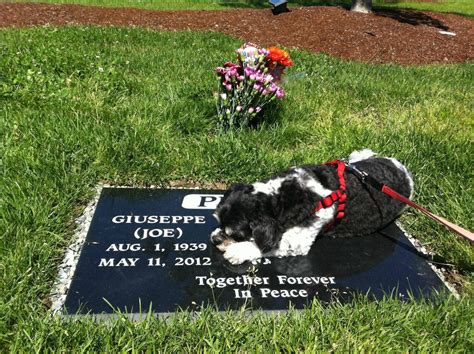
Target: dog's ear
(222, 211)
(239, 187)
(266, 234)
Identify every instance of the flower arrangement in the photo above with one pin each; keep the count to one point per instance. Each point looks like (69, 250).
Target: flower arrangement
(247, 87)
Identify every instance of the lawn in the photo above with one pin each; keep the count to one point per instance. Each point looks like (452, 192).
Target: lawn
(461, 7)
(83, 105)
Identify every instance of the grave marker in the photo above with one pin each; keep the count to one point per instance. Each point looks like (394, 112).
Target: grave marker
(149, 248)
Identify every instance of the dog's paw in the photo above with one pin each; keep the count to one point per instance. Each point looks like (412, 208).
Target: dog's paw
(239, 252)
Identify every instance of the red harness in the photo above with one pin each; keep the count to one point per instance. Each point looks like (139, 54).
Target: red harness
(337, 196)
(340, 196)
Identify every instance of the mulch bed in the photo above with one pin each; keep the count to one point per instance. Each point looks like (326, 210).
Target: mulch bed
(398, 36)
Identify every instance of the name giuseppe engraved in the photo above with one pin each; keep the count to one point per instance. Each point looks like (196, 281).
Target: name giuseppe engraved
(159, 219)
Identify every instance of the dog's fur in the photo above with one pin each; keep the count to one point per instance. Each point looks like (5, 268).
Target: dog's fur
(273, 218)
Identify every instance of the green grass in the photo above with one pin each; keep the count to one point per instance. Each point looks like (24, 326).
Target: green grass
(372, 327)
(80, 105)
(461, 7)
(159, 4)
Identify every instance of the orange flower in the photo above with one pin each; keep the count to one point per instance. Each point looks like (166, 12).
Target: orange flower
(279, 56)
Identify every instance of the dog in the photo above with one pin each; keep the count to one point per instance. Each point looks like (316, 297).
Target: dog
(284, 215)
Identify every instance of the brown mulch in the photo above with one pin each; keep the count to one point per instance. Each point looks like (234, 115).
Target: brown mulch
(400, 36)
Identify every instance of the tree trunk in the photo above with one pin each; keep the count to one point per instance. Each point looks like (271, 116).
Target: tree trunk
(364, 6)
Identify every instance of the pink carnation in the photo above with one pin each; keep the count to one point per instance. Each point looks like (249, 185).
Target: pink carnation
(280, 93)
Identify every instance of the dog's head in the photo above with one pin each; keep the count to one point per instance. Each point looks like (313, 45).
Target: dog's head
(245, 215)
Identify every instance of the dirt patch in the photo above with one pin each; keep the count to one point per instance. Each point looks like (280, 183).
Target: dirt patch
(174, 184)
(398, 36)
(198, 185)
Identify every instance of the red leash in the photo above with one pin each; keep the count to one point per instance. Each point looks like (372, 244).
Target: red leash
(367, 179)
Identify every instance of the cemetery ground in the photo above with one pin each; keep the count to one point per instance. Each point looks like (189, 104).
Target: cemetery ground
(82, 105)
(462, 7)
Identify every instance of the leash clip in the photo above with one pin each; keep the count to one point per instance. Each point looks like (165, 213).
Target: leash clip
(361, 174)
(364, 177)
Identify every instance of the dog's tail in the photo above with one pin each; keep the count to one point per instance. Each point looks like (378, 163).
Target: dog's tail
(360, 155)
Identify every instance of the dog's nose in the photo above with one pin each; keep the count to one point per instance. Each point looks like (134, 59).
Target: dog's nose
(217, 239)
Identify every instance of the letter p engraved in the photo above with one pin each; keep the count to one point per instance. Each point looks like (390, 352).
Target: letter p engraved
(201, 201)
(207, 199)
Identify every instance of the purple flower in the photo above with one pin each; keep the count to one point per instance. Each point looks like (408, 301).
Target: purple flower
(248, 71)
(258, 109)
(259, 76)
(220, 70)
(268, 78)
(232, 72)
(280, 93)
(229, 64)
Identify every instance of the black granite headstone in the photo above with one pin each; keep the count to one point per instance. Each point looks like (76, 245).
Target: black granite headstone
(149, 249)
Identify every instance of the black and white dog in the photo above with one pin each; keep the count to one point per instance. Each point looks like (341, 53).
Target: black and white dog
(276, 218)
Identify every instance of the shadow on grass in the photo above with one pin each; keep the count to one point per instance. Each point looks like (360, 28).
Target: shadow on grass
(270, 118)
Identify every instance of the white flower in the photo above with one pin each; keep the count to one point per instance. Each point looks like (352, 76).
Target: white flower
(101, 69)
(249, 56)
